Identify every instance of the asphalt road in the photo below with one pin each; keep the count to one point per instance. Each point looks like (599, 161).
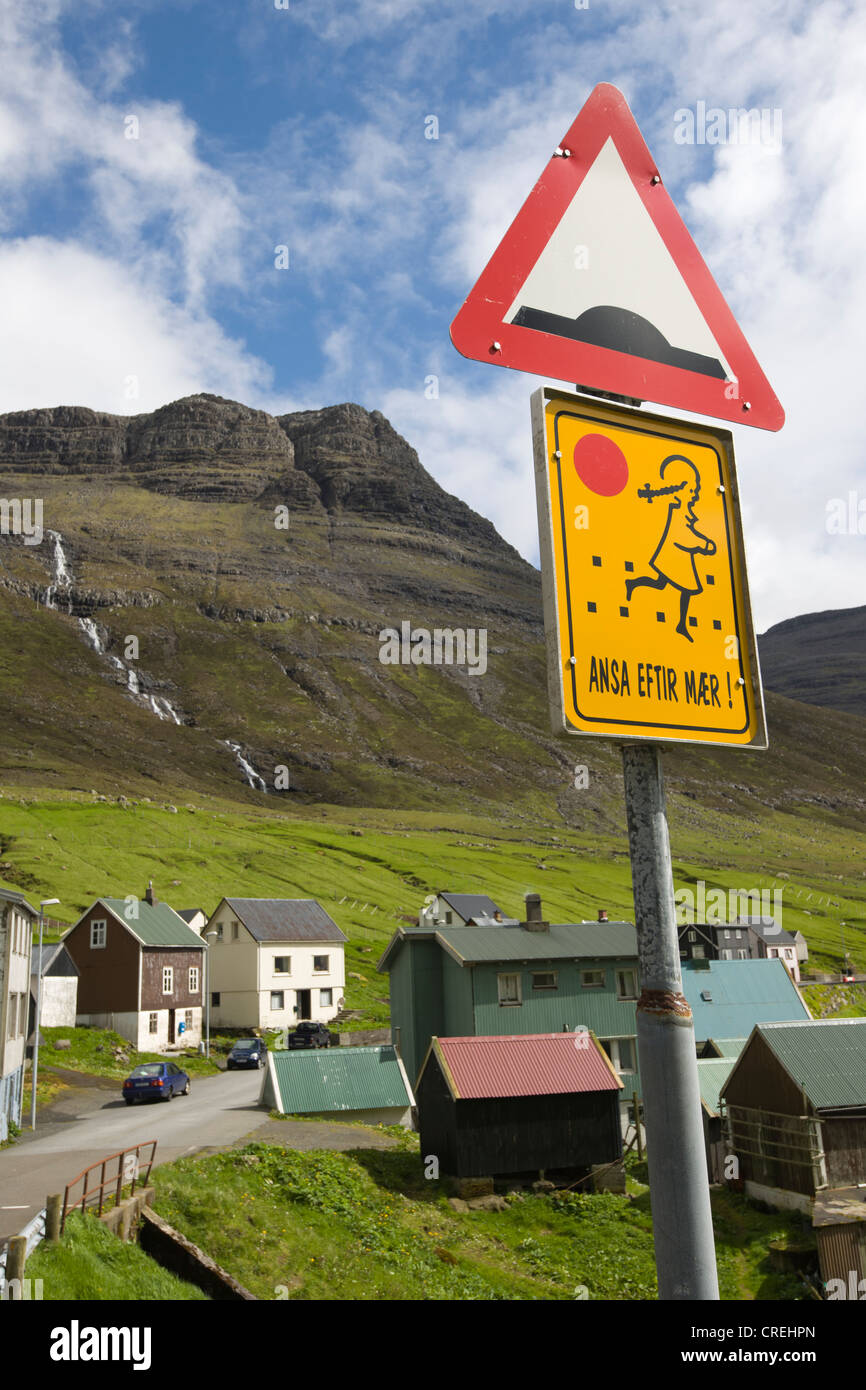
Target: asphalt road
(90, 1122)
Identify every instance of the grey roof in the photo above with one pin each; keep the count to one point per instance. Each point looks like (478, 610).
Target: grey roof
(187, 913)
(11, 896)
(285, 919)
(568, 941)
(766, 928)
(51, 955)
(471, 904)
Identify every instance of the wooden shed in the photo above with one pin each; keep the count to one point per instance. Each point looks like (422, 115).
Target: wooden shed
(509, 1106)
(795, 1107)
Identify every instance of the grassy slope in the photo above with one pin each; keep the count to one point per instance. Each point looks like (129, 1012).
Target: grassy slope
(366, 1225)
(91, 1263)
(78, 851)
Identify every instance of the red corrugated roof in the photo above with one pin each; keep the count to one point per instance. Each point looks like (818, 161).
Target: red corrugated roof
(534, 1064)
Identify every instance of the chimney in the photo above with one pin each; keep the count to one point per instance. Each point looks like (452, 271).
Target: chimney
(148, 897)
(497, 916)
(534, 920)
(602, 914)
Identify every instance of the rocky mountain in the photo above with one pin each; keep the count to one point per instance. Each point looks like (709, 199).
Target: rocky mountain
(819, 658)
(204, 616)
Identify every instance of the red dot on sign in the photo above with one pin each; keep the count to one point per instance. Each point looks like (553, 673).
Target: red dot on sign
(601, 465)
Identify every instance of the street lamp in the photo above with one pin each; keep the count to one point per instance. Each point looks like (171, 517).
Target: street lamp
(46, 902)
(209, 937)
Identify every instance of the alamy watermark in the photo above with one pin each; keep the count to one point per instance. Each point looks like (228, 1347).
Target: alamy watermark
(22, 516)
(442, 647)
(719, 908)
(738, 126)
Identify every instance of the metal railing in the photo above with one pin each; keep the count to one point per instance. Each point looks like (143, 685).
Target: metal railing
(130, 1170)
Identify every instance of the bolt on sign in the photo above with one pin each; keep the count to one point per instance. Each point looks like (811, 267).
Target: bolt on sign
(646, 603)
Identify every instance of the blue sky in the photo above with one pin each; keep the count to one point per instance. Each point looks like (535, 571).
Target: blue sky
(134, 271)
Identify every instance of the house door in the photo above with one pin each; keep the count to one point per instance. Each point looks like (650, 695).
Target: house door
(304, 1006)
(171, 1014)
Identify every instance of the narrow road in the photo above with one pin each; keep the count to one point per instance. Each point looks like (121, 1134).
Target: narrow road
(218, 1110)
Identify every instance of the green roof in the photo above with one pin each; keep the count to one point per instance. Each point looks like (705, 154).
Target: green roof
(827, 1058)
(157, 925)
(344, 1078)
(713, 1072)
(740, 993)
(566, 941)
(728, 1047)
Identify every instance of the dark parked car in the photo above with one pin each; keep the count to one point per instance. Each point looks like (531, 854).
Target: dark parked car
(310, 1035)
(249, 1052)
(155, 1081)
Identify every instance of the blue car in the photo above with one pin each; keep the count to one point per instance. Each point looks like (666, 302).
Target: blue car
(155, 1081)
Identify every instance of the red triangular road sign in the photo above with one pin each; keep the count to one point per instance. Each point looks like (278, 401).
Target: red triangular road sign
(598, 282)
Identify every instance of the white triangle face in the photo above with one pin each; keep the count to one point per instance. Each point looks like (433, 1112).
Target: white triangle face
(606, 260)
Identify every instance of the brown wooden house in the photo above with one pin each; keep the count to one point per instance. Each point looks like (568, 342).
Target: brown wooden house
(140, 972)
(795, 1106)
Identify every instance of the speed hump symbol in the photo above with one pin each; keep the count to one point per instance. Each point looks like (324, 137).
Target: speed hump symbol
(646, 605)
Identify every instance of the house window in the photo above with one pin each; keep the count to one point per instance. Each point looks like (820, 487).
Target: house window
(448, 919)
(693, 936)
(282, 965)
(193, 979)
(698, 953)
(592, 979)
(152, 1023)
(187, 1018)
(742, 955)
(737, 935)
(98, 934)
(278, 1000)
(684, 955)
(219, 931)
(234, 931)
(215, 999)
(321, 964)
(626, 984)
(326, 998)
(727, 935)
(726, 954)
(167, 979)
(544, 980)
(509, 989)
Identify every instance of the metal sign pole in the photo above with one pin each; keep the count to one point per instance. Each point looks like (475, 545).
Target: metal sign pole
(679, 1187)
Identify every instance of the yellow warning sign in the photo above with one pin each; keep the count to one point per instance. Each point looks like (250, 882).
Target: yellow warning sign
(646, 605)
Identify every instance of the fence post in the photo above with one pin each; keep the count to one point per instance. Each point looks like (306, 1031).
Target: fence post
(52, 1216)
(16, 1258)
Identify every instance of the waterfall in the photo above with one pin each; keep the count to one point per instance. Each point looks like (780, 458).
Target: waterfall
(253, 778)
(62, 579)
(60, 576)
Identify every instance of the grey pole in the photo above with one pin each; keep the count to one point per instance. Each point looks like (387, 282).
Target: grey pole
(210, 937)
(34, 1069)
(679, 1187)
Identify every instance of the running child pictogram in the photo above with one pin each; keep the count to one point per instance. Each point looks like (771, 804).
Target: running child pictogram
(674, 557)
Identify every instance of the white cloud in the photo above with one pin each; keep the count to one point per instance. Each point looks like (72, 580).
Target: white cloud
(87, 333)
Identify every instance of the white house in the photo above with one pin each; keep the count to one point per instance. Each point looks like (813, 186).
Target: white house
(272, 962)
(16, 934)
(59, 987)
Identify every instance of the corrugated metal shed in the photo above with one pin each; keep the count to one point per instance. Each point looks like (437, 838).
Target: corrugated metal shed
(338, 1079)
(712, 1074)
(826, 1058)
(536, 1064)
(742, 993)
(155, 925)
(285, 919)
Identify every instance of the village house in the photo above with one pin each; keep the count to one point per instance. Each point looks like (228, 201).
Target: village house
(748, 938)
(533, 977)
(195, 917)
(520, 1106)
(140, 972)
(273, 962)
(795, 1111)
(464, 910)
(16, 935)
